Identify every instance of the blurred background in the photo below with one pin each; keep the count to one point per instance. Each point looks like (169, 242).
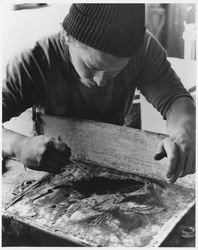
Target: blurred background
(173, 24)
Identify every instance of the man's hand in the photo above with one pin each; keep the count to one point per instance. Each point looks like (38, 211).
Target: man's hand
(179, 147)
(180, 152)
(43, 153)
(39, 153)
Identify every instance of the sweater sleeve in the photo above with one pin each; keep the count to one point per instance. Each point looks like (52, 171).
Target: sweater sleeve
(157, 81)
(23, 84)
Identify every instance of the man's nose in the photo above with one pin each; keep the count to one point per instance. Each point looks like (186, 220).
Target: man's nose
(100, 79)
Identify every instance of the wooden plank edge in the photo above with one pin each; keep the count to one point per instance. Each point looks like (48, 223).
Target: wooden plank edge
(169, 226)
(47, 229)
(162, 235)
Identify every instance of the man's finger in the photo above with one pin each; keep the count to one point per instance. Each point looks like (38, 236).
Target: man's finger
(161, 153)
(159, 156)
(51, 166)
(57, 155)
(182, 160)
(172, 157)
(58, 145)
(189, 167)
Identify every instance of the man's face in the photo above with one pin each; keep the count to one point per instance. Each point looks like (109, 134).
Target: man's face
(95, 68)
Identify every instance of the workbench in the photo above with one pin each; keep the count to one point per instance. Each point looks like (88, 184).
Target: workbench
(113, 147)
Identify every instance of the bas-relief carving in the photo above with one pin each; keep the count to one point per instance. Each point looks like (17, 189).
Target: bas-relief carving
(106, 208)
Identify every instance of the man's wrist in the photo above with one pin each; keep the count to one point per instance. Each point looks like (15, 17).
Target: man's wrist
(186, 123)
(181, 115)
(18, 146)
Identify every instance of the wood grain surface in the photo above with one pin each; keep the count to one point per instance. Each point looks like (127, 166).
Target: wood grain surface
(119, 147)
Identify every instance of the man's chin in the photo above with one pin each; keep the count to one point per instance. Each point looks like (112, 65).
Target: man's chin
(89, 85)
(92, 84)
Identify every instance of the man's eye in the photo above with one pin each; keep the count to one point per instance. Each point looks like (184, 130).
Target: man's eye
(89, 68)
(86, 67)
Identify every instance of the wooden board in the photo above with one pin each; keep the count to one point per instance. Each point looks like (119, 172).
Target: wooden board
(127, 149)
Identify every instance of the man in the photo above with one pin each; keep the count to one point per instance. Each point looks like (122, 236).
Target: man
(90, 70)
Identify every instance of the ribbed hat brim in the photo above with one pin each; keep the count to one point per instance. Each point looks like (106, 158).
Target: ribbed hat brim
(108, 35)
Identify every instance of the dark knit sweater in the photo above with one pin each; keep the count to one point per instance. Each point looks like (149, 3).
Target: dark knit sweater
(44, 76)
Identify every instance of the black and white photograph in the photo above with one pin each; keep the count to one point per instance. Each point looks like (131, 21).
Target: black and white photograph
(98, 124)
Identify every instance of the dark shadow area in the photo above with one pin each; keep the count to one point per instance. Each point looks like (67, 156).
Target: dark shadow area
(102, 185)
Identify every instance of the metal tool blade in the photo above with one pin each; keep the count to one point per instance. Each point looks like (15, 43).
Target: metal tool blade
(77, 165)
(33, 185)
(72, 161)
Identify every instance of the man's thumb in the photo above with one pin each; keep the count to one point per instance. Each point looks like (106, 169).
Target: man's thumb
(161, 153)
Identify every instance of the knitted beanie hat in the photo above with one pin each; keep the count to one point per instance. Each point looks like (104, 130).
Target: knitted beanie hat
(117, 29)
